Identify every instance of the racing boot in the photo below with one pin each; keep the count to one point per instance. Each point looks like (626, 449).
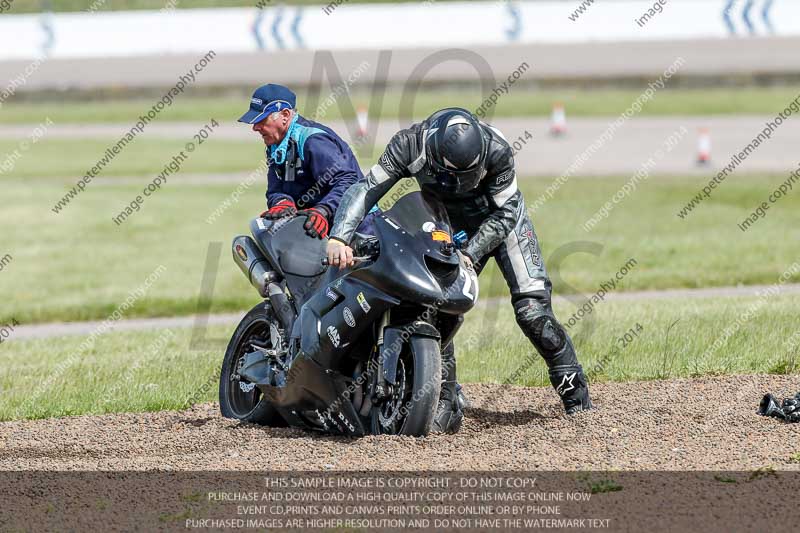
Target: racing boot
(463, 401)
(570, 383)
(449, 414)
(535, 318)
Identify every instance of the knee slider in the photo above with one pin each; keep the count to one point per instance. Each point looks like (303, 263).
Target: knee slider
(549, 335)
(541, 327)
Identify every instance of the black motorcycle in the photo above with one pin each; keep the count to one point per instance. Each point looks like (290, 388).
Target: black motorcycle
(353, 351)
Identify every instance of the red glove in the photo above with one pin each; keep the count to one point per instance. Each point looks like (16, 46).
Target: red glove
(284, 208)
(317, 223)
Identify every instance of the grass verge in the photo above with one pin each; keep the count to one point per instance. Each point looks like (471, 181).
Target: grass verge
(154, 370)
(143, 157)
(79, 265)
(520, 101)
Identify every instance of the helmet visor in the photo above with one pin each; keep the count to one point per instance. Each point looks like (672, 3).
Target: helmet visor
(458, 181)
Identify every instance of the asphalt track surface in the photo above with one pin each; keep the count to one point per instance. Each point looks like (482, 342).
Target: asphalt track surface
(591, 62)
(630, 147)
(59, 329)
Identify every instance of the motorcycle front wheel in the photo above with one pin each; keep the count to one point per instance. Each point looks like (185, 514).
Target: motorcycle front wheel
(239, 399)
(412, 405)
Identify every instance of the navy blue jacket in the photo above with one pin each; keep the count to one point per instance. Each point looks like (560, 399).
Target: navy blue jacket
(318, 169)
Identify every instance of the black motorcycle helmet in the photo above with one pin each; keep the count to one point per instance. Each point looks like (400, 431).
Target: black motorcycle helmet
(455, 149)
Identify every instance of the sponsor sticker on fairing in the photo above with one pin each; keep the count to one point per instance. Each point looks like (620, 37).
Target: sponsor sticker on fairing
(362, 302)
(391, 222)
(346, 422)
(333, 335)
(330, 293)
(441, 236)
(348, 317)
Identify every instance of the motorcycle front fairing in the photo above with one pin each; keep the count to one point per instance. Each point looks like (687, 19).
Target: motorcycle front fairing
(418, 262)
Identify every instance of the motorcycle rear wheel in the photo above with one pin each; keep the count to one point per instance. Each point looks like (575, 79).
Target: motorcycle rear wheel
(234, 402)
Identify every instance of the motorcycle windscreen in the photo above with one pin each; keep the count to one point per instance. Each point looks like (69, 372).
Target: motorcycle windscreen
(417, 212)
(298, 253)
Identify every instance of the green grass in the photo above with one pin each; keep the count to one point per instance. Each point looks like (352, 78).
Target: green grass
(137, 369)
(521, 100)
(671, 343)
(153, 370)
(603, 486)
(73, 157)
(79, 265)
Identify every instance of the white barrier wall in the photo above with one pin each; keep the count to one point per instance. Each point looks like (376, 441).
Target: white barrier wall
(382, 26)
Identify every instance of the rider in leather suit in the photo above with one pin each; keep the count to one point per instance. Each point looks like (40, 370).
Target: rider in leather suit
(469, 166)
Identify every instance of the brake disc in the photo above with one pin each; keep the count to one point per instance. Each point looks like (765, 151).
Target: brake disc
(394, 404)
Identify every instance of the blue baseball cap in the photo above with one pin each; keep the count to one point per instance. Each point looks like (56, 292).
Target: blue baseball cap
(268, 99)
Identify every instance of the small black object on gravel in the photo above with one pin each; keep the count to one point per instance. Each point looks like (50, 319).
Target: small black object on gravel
(788, 410)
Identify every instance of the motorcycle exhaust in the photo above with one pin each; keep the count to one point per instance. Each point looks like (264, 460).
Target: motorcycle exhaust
(253, 264)
(281, 305)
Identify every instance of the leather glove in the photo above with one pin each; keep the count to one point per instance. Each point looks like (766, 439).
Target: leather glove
(317, 223)
(284, 208)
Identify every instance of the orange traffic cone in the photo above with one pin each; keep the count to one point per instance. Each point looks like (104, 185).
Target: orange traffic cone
(703, 147)
(362, 117)
(558, 120)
